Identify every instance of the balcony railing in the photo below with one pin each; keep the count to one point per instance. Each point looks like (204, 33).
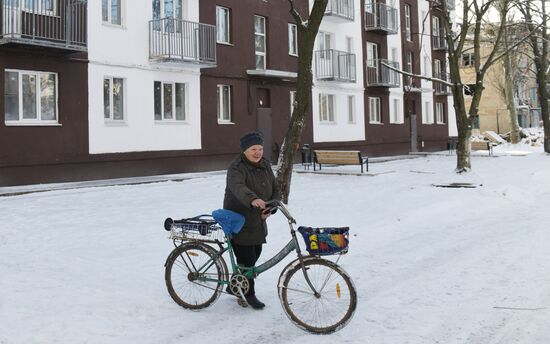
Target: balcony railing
(381, 17)
(439, 41)
(450, 4)
(379, 74)
(335, 65)
(440, 88)
(48, 23)
(341, 8)
(176, 40)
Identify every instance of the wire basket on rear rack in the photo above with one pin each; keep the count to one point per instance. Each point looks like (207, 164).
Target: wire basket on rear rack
(325, 240)
(199, 228)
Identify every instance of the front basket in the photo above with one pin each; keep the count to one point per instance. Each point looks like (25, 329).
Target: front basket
(325, 241)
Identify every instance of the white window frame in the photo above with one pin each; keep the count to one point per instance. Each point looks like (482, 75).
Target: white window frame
(324, 43)
(375, 111)
(396, 113)
(38, 7)
(408, 34)
(263, 35)
(174, 108)
(437, 72)
(436, 28)
(326, 112)
(109, 20)
(292, 96)
(351, 109)
(440, 113)
(372, 54)
(292, 39)
(38, 99)
(111, 99)
(427, 114)
(223, 14)
(409, 61)
(470, 59)
(221, 104)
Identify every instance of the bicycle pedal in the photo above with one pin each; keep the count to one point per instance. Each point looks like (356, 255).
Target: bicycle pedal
(242, 303)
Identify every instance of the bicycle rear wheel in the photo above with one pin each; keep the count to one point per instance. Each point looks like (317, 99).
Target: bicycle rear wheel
(329, 312)
(194, 274)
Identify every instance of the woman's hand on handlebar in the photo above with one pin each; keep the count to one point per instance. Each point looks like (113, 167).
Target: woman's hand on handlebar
(258, 203)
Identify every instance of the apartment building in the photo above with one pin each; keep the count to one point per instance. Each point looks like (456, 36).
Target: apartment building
(43, 63)
(169, 86)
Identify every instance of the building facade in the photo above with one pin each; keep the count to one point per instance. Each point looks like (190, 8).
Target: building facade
(170, 86)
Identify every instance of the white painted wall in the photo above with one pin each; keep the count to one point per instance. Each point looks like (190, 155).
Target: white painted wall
(394, 41)
(124, 52)
(340, 130)
(424, 25)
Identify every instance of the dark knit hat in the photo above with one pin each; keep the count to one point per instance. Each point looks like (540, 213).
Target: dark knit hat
(250, 139)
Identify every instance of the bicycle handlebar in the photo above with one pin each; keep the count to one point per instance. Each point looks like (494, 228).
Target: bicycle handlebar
(279, 205)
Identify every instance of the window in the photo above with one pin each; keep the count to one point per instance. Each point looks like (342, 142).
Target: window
(374, 110)
(396, 114)
(222, 24)
(351, 109)
(113, 98)
(440, 113)
(436, 28)
(292, 39)
(292, 100)
(468, 60)
(437, 69)
(409, 67)
(372, 54)
(169, 13)
(408, 34)
(169, 101)
(349, 44)
(326, 107)
(324, 43)
(369, 6)
(112, 11)
(41, 7)
(224, 104)
(260, 41)
(427, 116)
(30, 97)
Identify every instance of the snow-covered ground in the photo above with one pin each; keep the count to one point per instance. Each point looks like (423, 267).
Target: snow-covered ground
(431, 265)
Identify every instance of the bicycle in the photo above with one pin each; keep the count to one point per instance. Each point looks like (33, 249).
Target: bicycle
(316, 294)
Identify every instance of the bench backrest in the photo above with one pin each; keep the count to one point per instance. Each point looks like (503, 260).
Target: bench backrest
(479, 145)
(338, 157)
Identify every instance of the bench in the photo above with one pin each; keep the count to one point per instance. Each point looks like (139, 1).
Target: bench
(339, 158)
(482, 145)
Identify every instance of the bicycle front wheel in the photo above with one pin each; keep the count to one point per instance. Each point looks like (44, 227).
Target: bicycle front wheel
(194, 275)
(327, 312)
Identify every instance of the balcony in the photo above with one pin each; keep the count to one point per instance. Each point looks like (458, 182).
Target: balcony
(439, 41)
(440, 88)
(382, 18)
(340, 10)
(450, 4)
(184, 42)
(335, 65)
(57, 24)
(380, 75)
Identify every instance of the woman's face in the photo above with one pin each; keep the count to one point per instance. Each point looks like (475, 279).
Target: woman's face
(254, 153)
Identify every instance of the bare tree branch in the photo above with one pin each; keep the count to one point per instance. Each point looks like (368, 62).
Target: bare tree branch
(297, 17)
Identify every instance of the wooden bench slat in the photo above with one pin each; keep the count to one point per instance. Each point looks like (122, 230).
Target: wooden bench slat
(340, 158)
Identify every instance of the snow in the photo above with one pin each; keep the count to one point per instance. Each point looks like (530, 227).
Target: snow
(431, 265)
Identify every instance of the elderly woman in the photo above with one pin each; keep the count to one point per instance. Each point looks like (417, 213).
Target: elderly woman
(250, 182)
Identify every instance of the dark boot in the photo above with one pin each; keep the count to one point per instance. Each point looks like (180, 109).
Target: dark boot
(253, 301)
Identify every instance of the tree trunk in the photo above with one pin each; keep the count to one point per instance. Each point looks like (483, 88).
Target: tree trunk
(307, 31)
(509, 91)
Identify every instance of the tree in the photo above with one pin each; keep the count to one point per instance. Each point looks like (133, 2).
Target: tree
(307, 31)
(471, 33)
(540, 45)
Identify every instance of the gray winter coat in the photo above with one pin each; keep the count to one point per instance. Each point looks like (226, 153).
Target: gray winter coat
(245, 183)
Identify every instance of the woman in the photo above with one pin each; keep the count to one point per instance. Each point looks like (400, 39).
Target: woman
(250, 182)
